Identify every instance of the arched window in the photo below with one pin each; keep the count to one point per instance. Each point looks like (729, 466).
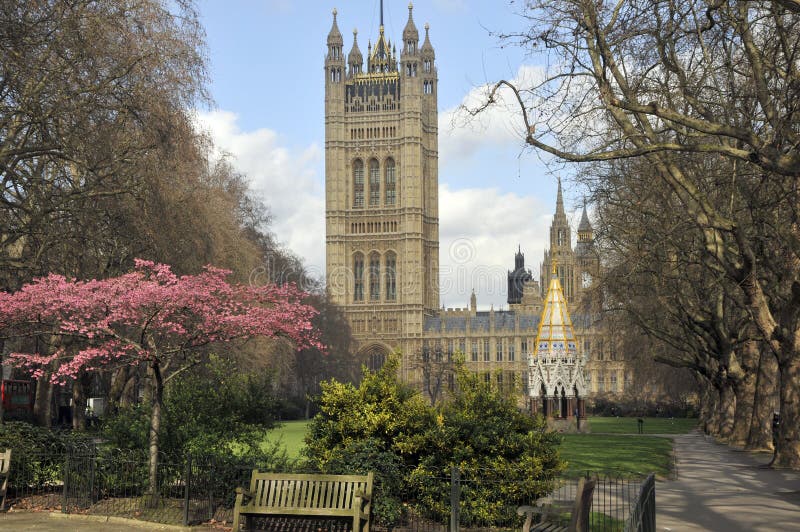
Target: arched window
(358, 183)
(374, 277)
(358, 277)
(391, 276)
(374, 183)
(390, 183)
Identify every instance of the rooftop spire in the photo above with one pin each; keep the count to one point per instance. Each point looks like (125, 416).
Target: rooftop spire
(584, 224)
(410, 32)
(555, 327)
(559, 199)
(381, 15)
(335, 36)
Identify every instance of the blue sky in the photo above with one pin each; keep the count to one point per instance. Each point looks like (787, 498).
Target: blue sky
(267, 80)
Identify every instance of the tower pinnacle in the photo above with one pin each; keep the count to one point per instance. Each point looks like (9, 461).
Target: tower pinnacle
(559, 200)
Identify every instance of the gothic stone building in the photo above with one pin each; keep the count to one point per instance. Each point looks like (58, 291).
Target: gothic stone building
(382, 226)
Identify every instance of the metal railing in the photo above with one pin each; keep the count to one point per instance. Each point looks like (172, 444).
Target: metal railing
(190, 490)
(643, 511)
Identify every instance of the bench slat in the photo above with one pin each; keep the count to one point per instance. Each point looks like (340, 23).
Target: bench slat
(307, 495)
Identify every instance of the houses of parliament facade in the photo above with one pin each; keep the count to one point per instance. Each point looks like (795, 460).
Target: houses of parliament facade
(382, 231)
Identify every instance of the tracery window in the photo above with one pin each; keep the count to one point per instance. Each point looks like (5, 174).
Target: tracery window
(358, 277)
(374, 183)
(374, 277)
(390, 183)
(391, 276)
(499, 350)
(358, 183)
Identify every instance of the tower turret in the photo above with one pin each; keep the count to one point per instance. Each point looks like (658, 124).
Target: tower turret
(518, 278)
(334, 61)
(585, 231)
(355, 60)
(428, 57)
(561, 250)
(585, 252)
(410, 34)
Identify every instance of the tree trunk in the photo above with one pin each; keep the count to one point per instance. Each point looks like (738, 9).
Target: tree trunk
(123, 387)
(707, 408)
(788, 454)
(744, 392)
(765, 401)
(78, 405)
(42, 405)
(81, 387)
(744, 387)
(726, 408)
(157, 402)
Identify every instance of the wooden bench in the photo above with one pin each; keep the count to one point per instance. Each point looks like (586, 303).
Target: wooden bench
(5, 467)
(579, 517)
(296, 495)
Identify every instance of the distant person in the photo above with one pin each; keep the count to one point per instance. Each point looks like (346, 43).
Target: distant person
(640, 422)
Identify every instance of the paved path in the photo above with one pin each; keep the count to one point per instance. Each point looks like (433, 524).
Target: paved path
(720, 489)
(58, 522)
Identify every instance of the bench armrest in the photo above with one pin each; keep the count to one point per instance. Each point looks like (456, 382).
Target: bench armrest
(544, 508)
(364, 496)
(241, 493)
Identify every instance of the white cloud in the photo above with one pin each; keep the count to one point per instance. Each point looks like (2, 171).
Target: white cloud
(460, 134)
(480, 229)
(286, 179)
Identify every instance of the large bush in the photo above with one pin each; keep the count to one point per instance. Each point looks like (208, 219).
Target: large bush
(386, 427)
(214, 411)
(37, 453)
(381, 426)
(505, 457)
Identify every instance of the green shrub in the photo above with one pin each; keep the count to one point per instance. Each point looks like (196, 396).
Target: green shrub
(37, 453)
(212, 411)
(504, 455)
(379, 426)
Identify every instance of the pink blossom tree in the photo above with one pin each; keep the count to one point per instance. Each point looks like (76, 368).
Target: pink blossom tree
(149, 316)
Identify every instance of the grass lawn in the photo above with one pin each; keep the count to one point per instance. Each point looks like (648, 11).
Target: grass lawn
(290, 434)
(594, 452)
(626, 454)
(652, 425)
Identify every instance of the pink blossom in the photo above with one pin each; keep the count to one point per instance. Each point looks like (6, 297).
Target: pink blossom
(107, 319)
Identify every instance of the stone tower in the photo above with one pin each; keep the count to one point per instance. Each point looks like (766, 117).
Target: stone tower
(561, 252)
(381, 186)
(586, 257)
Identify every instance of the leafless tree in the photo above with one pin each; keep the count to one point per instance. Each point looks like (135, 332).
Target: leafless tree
(671, 80)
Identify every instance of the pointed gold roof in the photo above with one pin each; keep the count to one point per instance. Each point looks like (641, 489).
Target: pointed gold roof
(556, 334)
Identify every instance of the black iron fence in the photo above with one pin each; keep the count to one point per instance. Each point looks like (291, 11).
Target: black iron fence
(89, 479)
(643, 511)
